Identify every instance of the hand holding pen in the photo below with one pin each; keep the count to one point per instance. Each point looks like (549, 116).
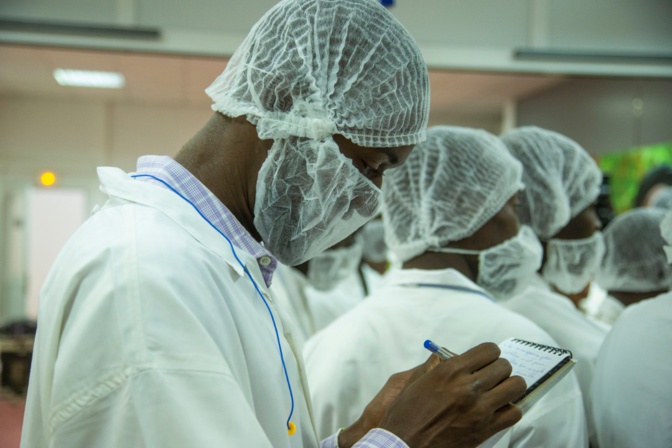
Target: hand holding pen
(462, 401)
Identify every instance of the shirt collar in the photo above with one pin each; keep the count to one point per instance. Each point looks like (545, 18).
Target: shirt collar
(178, 177)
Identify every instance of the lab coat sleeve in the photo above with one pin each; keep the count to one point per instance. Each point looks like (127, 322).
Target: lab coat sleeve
(166, 409)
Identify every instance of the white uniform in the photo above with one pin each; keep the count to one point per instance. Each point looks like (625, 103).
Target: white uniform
(327, 306)
(288, 287)
(150, 335)
(310, 309)
(600, 306)
(349, 361)
(631, 394)
(558, 316)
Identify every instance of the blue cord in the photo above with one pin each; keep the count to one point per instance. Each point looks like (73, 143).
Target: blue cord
(275, 327)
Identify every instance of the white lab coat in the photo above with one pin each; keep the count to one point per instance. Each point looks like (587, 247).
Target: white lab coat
(600, 306)
(349, 361)
(327, 306)
(310, 309)
(150, 335)
(574, 331)
(288, 287)
(631, 394)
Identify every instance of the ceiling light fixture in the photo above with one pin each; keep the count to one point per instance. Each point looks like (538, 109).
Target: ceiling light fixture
(86, 78)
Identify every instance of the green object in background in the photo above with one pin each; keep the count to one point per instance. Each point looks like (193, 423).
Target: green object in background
(627, 169)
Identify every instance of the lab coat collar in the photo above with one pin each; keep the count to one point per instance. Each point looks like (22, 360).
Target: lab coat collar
(117, 183)
(447, 277)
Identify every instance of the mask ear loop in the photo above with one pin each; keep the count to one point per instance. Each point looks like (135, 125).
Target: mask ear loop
(291, 427)
(454, 250)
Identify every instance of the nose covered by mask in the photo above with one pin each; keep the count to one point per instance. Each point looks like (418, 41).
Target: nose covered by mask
(309, 197)
(505, 268)
(571, 264)
(332, 266)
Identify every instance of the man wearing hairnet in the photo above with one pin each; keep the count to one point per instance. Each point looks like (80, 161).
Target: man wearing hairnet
(561, 184)
(634, 266)
(631, 393)
(450, 219)
(156, 325)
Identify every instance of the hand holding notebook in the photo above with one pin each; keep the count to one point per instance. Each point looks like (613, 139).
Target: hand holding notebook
(541, 366)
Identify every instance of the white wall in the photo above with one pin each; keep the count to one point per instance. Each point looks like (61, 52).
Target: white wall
(72, 139)
(473, 34)
(604, 115)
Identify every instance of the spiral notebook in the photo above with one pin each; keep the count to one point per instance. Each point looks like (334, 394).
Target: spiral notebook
(541, 366)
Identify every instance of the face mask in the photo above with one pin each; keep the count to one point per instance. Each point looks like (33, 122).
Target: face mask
(504, 269)
(373, 236)
(310, 197)
(571, 264)
(666, 232)
(332, 266)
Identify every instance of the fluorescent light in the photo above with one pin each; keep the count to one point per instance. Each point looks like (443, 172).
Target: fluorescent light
(86, 78)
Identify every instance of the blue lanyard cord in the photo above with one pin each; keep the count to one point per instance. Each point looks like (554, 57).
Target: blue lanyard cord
(453, 288)
(275, 327)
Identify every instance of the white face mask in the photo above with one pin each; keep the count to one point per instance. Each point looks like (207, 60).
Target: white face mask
(571, 264)
(332, 266)
(310, 197)
(505, 268)
(373, 234)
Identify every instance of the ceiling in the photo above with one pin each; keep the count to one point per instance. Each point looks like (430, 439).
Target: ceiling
(180, 80)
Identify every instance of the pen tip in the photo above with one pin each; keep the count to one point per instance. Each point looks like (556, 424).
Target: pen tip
(429, 345)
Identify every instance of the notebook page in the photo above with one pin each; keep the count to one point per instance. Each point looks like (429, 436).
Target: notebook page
(530, 361)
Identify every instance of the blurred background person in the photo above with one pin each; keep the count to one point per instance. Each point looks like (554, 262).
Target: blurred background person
(374, 253)
(662, 198)
(561, 184)
(634, 266)
(318, 291)
(335, 283)
(631, 394)
(450, 220)
(655, 179)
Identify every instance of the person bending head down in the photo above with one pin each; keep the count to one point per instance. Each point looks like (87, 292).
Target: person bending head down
(634, 266)
(562, 183)
(453, 204)
(320, 99)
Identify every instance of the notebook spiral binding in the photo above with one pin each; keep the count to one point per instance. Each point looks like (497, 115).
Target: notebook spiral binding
(545, 348)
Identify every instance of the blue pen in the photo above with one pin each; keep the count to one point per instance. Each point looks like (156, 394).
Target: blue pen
(441, 352)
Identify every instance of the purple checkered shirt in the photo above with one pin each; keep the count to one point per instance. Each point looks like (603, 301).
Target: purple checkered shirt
(178, 177)
(376, 438)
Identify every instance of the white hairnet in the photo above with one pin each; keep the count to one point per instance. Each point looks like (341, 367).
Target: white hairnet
(449, 187)
(634, 260)
(560, 177)
(313, 69)
(309, 70)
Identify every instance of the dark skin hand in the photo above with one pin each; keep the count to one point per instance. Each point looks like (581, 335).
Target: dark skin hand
(459, 402)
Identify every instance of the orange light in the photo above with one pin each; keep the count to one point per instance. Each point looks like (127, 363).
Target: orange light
(47, 178)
